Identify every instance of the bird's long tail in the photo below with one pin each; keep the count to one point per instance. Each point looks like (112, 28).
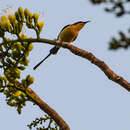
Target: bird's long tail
(53, 51)
(35, 67)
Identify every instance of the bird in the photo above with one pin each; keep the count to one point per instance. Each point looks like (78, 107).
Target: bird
(69, 33)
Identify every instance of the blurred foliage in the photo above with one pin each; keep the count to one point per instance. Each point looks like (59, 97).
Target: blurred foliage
(14, 55)
(44, 123)
(122, 42)
(119, 8)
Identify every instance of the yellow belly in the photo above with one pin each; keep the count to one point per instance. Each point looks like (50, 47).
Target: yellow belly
(67, 35)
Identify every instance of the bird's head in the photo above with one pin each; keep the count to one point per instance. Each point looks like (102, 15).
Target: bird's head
(79, 25)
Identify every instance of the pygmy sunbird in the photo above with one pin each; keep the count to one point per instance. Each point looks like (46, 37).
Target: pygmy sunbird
(68, 34)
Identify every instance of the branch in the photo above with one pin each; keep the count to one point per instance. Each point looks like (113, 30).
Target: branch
(82, 53)
(46, 108)
(99, 63)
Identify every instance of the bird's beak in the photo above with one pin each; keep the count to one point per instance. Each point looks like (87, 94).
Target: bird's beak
(88, 21)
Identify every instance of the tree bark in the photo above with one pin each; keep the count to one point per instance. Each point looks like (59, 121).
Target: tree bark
(47, 109)
(84, 54)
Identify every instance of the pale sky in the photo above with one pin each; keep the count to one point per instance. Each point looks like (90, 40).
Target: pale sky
(75, 88)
